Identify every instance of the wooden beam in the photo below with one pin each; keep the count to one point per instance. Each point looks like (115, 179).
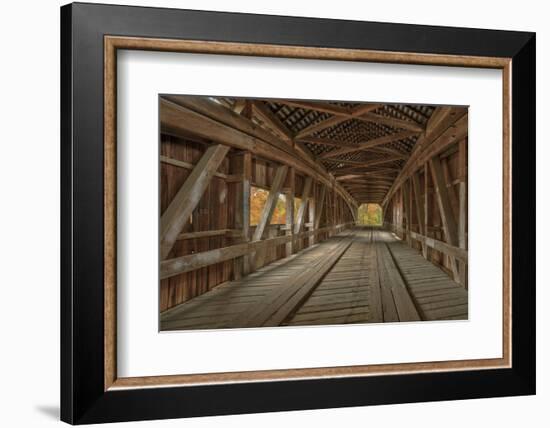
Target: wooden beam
(271, 120)
(241, 265)
(188, 197)
(453, 197)
(370, 144)
(319, 106)
(325, 107)
(181, 164)
(324, 124)
(366, 179)
(303, 206)
(426, 207)
(439, 127)
(215, 122)
(388, 151)
(391, 121)
(325, 142)
(418, 204)
(320, 207)
(445, 210)
(290, 194)
(443, 247)
(398, 304)
(271, 202)
(365, 164)
(443, 201)
(367, 170)
(209, 234)
(188, 263)
(408, 214)
(463, 206)
(239, 105)
(312, 207)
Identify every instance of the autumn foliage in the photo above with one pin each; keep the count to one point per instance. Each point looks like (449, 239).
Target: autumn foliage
(370, 214)
(258, 198)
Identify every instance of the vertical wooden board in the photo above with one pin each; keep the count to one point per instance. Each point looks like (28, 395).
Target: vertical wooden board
(463, 206)
(449, 178)
(445, 210)
(303, 206)
(290, 194)
(311, 215)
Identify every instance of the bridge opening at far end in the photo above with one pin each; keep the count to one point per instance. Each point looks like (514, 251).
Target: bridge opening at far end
(369, 215)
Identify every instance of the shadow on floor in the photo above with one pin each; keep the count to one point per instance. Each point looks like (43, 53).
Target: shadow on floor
(49, 410)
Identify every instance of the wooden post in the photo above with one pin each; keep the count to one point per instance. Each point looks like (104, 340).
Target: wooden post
(453, 198)
(188, 197)
(302, 209)
(426, 250)
(243, 167)
(311, 216)
(267, 212)
(419, 207)
(271, 202)
(319, 211)
(407, 206)
(290, 194)
(445, 210)
(463, 207)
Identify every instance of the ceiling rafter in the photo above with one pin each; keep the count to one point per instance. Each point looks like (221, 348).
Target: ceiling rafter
(370, 144)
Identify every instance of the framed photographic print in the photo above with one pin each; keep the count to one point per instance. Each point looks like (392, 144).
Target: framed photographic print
(265, 213)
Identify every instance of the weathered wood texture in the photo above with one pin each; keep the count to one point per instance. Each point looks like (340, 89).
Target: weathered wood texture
(439, 226)
(188, 197)
(360, 277)
(221, 217)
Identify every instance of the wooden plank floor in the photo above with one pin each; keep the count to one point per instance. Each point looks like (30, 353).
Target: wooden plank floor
(372, 278)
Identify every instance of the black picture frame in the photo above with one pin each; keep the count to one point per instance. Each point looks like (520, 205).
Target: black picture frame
(83, 399)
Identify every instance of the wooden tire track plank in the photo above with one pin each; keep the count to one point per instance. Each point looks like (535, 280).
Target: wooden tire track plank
(238, 295)
(279, 304)
(437, 296)
(345, 289)
(396, 300)
(376, 314)
(210, 309)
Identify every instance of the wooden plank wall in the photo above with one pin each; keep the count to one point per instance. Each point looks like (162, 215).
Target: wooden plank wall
(453, 162)
(216, 211)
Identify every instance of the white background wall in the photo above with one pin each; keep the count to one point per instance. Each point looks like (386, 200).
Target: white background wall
(29, 214)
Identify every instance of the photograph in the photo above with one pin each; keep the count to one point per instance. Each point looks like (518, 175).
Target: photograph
(269, 210)
(293, 212)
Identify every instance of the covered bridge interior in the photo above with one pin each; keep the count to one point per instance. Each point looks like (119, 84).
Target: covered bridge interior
(316, 162)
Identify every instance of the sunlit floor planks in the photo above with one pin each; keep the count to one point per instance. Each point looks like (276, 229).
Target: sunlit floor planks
(362, 276)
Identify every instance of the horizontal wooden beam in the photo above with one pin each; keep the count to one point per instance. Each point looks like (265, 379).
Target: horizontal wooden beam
(367, 163)
(450, 250)
(391, 121)
(181, 164)
(188, 263)
(210, 233)
(320, 106)
(325, 107)
(326, 142)
(217, 123)
(386, 139)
